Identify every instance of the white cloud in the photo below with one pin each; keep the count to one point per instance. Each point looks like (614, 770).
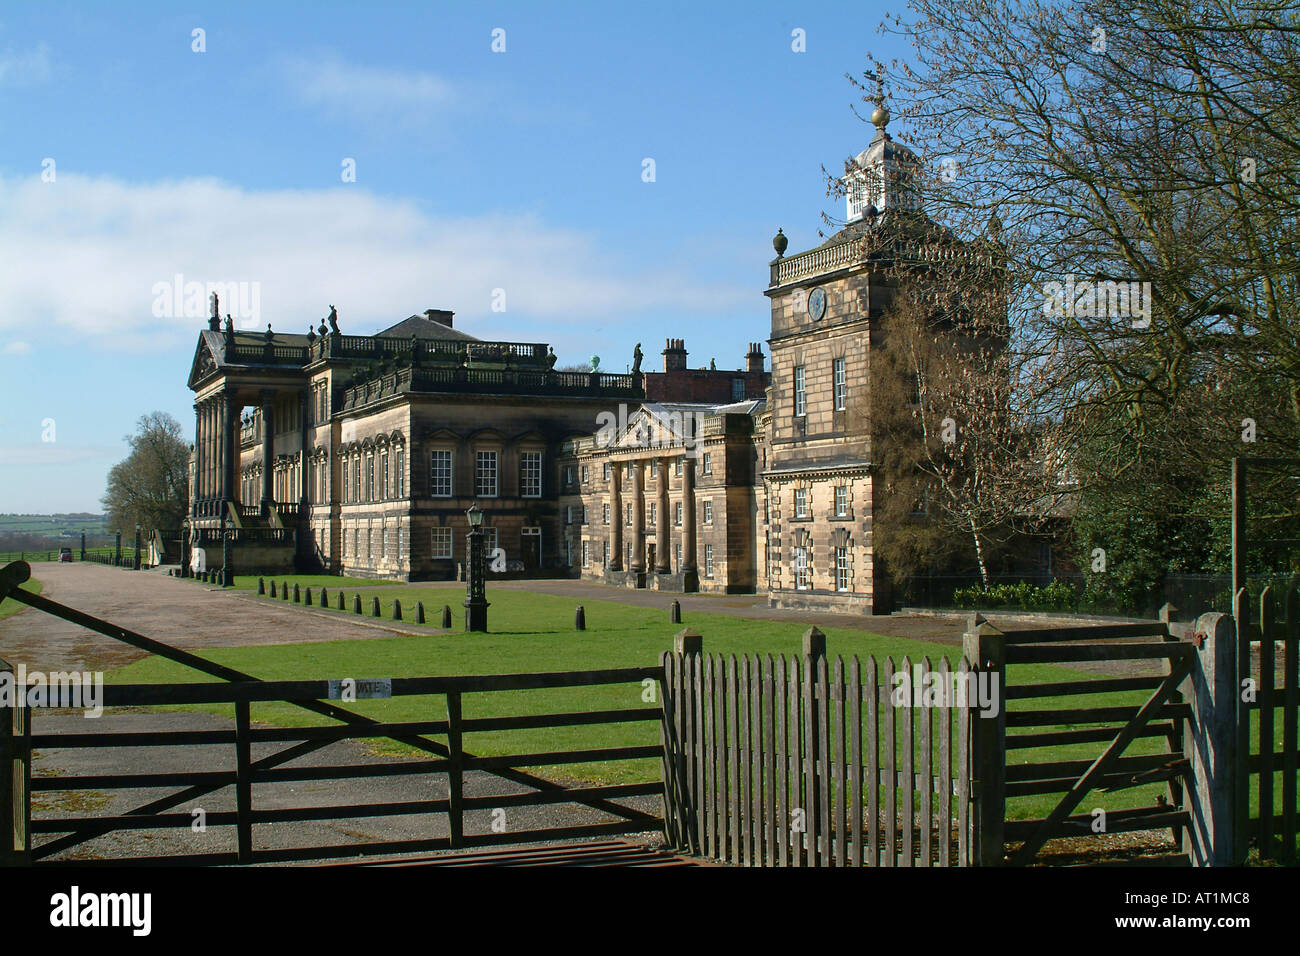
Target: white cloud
(84, 254)
(24, 68)
(16, 348)
(368, 91)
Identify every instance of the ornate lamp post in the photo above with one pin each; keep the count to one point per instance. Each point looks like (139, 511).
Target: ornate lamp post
(137, 546)
(117, 549)
(476, 604)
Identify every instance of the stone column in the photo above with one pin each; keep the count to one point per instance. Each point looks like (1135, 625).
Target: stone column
(198, 457)
(306, 444)
(616, 516)
(268, 451)
(638, 518)
(689, 568)
(229, 435)
(663, 531)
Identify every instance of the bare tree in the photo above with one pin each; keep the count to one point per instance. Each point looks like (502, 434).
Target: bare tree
(150, 485)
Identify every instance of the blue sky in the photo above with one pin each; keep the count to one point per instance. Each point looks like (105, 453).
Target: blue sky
(475, 171)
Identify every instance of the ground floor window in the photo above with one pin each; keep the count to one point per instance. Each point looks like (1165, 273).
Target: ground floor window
(586, 554)
(442, 543)
(708, 560)
(841, 569)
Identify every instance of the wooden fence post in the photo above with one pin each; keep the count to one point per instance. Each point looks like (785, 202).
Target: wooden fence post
(984, 647)
(15, 776)
(243, 782)
(1210, 746)
(814, 654)
(681, 817)
(455, 772)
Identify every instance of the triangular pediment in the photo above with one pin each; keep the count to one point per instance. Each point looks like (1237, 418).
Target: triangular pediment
(204, 364)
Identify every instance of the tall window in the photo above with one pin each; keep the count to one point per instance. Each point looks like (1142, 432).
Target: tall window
(677, 514)
(485, 474)
(706, 463)
(800, 397)
(401, 473)
(442, 543)
(586, 554)
(840, 385)
(628, 521)
(604, 509)
(654, 514)
(356, 480)
(737, 389)
(708, 512)
(385, 540)
(568, 514)
(841, 501)
(530, 474)
(440, 474)
(801, 502)
(841, 569)
(708, 560)
(801, 575)
(345, 481)
(370, 476)
(383, 482)
(585, 474)
(608, 472)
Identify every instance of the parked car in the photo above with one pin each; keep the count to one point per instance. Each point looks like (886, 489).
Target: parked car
(65, 554)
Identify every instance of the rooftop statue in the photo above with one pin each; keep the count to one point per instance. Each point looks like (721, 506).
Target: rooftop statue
(636, 359)
(334, 320)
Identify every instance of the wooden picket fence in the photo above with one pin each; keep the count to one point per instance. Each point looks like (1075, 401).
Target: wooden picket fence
(1269, 817)
(801, 762)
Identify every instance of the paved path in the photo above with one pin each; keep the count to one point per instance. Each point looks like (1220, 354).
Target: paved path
(185, 614)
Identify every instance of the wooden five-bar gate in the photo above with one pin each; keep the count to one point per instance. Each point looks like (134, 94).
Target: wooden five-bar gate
(440, 739)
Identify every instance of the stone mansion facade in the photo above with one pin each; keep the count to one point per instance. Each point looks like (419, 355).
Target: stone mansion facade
(361, 454)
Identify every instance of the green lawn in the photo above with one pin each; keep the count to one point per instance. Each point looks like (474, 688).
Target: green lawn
(249, 582)
(11, 607)
(533, 632)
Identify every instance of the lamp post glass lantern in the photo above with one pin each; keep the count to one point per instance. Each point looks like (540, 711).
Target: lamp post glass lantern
(476, 604)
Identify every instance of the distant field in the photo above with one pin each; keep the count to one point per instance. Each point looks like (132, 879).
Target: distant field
(53, 524)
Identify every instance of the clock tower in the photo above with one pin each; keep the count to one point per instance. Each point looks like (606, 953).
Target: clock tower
(816, 464)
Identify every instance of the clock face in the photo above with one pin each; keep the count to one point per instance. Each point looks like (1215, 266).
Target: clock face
(817, 304)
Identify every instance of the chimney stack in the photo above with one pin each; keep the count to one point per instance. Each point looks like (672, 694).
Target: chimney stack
(674, 355)
(754, 359)
(441, 316)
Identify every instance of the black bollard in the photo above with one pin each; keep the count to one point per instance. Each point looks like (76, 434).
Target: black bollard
(340, 600)
(675, 615)
(397, 609)
(446, 616)
(261, 585)
(374, 607)
(307, 598)
(580, 619)
(272, 589)
(284, 590)
(419, 612)
(324, 597)
(356, 604)
(297, 595)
